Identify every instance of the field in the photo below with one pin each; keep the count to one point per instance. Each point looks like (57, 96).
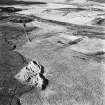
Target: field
(67, 40)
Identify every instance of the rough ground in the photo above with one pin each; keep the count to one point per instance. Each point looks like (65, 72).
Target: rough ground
(72, 53)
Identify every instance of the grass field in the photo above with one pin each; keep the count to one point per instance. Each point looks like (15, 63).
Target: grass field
(72, 55)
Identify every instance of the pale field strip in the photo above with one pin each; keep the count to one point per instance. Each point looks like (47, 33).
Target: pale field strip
(84, 17)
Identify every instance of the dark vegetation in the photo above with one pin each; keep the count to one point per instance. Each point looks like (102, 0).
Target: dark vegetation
(75, 41)
(71, 9)
(4, 16)
(100, 1)
(21, 19)
(45, 81)
(9, 9)
(90, 34)
(13, 2)
(16, 18)
(99, 21)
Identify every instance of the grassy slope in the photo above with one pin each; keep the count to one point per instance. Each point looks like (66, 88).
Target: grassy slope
(75, 78)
